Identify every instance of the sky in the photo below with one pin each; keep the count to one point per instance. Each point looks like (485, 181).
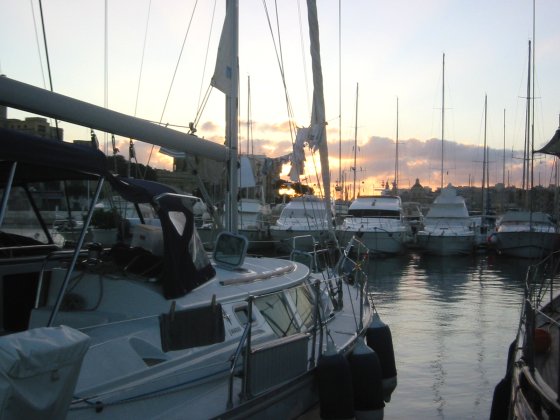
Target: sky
(154, 59)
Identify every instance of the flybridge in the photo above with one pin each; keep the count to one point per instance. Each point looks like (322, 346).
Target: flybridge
(39, 101)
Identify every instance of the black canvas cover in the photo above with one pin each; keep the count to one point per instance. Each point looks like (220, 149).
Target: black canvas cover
(41, 159)
(186, 264)
(139, 190)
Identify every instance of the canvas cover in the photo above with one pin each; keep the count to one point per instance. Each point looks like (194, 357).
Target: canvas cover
(41, 159)
(38, 372)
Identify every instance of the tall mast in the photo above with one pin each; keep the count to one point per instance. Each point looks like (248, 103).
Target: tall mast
(232, 103)
(248, 113)
(527, 133)
(532, 113)
(397, 150)
(484, 160)
(355, 143)
(341, 184)
(504, 153)
(442, 115)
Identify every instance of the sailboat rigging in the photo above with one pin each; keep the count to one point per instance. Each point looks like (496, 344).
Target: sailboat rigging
(527, 233)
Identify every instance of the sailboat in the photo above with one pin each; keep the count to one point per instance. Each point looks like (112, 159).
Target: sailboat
(526, 233)
(484, 223)
(162, 330)
(447, 228)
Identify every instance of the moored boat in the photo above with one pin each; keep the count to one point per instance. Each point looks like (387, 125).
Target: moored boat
(302, 216)
(448, 229)
(525, 234)
(379, 223)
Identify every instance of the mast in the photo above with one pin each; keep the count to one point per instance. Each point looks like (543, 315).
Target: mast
(526, 169)
(341, 184)
(249, 114)
(442, 115)
(232, 98)
(484, 161)
(355, 143)
(397, 150)
(504, 153)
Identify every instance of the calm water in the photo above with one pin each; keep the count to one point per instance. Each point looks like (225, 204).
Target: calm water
(452, 320)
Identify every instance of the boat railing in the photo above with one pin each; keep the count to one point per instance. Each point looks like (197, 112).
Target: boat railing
(263, 364)
(244, 338)
(539, 284)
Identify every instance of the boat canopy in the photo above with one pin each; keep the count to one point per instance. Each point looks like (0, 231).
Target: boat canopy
(186, 265)
(46, 159)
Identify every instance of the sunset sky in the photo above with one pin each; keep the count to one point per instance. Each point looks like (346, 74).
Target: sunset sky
(390, 49)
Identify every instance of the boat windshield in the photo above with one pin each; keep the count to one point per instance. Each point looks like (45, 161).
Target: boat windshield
(37, 213)
(386, 214)
(304, 214)
(279, 313)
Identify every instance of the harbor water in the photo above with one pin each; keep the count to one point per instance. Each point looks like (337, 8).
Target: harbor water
(452, 321)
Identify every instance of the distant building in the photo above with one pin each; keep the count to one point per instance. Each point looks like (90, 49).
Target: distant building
(418, 193)
(36, 126)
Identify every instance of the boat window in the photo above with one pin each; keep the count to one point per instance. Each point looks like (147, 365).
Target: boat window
(303, 300)
(230, 250)
(303, 213)
(21, 220)
(391, 214)
(276, 312)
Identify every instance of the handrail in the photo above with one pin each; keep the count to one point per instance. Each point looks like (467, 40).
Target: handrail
(234, 362)
(246, 386)
(7, 190)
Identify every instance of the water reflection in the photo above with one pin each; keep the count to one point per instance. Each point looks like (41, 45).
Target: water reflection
(452, 320)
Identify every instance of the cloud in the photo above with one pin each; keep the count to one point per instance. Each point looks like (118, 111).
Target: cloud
(375, 158)
(462, 165)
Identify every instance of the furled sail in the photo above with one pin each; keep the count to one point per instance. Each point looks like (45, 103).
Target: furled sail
(318, 120)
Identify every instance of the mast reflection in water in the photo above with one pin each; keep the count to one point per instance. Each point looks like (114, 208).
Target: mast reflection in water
(452, 320)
